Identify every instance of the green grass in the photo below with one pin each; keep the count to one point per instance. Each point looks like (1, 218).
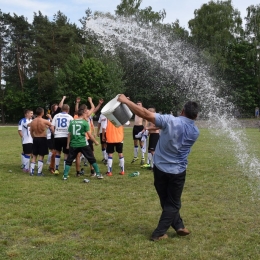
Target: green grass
(113, 218)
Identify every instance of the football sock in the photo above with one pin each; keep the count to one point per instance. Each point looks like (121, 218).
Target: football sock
(109, 164)
(66, 171)
(22, 158)
(57, 162)
(151, 161)
(49, 158)
(104, 153)
(40, 165)
(32, 167)
(95, 166)
(122, 164)
(149, 157)
(136, 151)
(26, 161)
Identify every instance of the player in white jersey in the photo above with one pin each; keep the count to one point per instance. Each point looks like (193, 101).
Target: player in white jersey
(27, 141)
(55, 109)
(50, 141)
(102, 124)
(60, 124)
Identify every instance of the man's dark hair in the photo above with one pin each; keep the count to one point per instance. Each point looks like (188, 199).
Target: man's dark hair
(191, 109)
(27, 111)
(39, 110)
(52, 107)
(80, 112)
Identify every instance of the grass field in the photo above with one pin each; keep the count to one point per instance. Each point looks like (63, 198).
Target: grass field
(113, 218)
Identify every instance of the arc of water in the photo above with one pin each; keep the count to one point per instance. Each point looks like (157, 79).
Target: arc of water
(184, 63)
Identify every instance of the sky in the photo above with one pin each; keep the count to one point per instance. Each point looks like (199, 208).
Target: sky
(75, 9)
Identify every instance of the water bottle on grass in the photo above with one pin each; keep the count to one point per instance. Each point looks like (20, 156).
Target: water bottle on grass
(134, 174)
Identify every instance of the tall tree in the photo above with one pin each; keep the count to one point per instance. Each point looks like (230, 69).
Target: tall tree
(128, 7)
(131, 8)
(17, 52)
(252, 32)
(3, 41)
(214, 27)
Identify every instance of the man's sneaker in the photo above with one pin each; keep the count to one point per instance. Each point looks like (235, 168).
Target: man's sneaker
(99, 176)
(142, 161)
(122, 173)
(85, 164)
(31, 174)
(146, 165)
(64, 178)
(109, 174)
(40, 174)
(134, 160)
(183, 232)
(22, 166)
(26, 170)
(56, 172)
(93, 174)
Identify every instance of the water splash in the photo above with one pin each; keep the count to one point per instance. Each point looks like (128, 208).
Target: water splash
(183, 64)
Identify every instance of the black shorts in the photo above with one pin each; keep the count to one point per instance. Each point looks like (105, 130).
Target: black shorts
(40, 146)
(86, 151)
(101, 141)
(90, 143)
(27, 148)
(153, 139)
(111, 147)
(137, 129)
(60, 144)
(51, 143)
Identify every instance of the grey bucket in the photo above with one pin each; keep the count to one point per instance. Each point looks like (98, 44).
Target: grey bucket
(116, 112)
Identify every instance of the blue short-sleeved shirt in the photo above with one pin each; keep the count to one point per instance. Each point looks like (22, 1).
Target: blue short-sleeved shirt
(177, 136)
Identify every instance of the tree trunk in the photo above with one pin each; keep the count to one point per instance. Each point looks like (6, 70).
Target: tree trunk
(19, 68)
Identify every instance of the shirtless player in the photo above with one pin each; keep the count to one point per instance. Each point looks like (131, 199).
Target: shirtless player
(138, 127)
(40, 146)
(154, 135)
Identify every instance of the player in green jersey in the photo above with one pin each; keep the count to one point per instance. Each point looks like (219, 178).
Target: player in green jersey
(77, 142)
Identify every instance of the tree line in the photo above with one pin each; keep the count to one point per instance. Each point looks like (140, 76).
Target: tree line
(43, 60)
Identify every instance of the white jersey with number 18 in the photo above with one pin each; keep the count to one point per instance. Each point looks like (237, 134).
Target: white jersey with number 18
(61, 123)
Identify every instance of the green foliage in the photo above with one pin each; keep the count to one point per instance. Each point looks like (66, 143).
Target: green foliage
(240, 73)
(214, 27)
(128, 7)
(46, 59)
(252, 33)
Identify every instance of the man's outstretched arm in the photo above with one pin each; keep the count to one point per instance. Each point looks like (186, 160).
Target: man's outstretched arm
(137, 110)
